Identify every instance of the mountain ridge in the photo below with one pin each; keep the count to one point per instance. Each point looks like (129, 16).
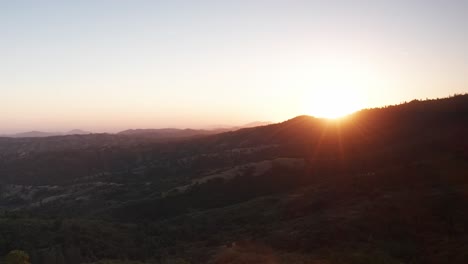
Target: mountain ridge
(384, 185)
(42, 134)
(154, 132)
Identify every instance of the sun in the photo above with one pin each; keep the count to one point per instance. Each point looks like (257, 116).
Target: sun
(337, 89)
(332, 103)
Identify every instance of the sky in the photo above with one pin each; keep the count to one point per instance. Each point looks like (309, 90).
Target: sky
(109, 65)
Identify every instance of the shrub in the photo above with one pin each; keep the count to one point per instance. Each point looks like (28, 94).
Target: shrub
(17, 257)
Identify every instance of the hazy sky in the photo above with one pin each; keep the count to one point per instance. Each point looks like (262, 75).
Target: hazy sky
(109, 65)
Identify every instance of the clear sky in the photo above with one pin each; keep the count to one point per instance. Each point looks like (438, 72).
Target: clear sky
(106, 65)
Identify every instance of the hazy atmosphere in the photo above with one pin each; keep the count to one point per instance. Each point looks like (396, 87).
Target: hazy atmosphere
(112, 65)
(233, 132)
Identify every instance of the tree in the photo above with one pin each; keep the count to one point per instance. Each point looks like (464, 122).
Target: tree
(17, 257)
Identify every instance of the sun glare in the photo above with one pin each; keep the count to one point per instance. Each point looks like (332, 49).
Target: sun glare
(332, 104)
(337, 90)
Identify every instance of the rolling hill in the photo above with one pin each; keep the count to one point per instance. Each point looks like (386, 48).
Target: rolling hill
(384, 185)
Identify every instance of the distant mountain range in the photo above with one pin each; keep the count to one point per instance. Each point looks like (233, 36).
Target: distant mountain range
(154, 133)
(36, 134)
(179, 133)
(170, 132)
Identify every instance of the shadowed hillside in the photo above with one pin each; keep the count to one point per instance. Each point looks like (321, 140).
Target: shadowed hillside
(386, 185)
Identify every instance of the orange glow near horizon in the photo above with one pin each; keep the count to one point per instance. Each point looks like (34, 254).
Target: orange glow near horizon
(332, 105)
(205, 64)
(340, 88)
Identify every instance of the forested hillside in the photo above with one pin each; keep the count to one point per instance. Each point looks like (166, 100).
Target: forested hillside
(384, 185)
